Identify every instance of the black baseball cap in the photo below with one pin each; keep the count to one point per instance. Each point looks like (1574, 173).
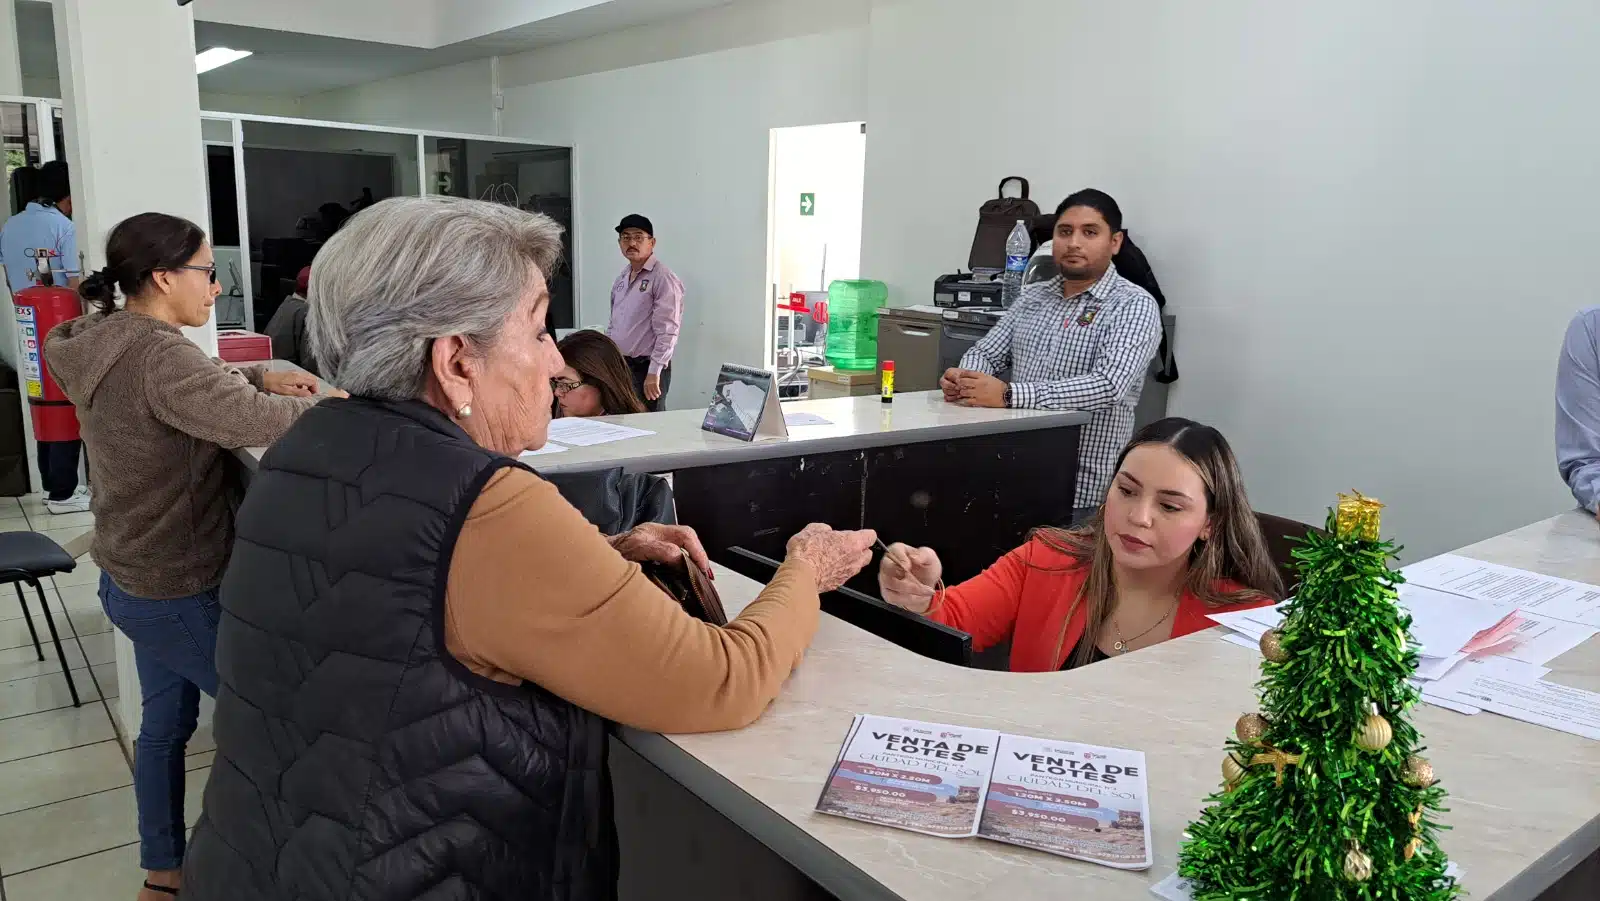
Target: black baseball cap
(634, 220)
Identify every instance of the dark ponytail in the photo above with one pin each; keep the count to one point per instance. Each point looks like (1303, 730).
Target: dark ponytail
(139, 247)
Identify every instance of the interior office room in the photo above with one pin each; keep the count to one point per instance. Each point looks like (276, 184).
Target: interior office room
(1370, 225)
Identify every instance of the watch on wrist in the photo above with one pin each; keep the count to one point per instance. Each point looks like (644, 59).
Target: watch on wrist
(1006, 398)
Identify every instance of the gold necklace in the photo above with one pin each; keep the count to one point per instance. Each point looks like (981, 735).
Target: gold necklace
(1121, 647)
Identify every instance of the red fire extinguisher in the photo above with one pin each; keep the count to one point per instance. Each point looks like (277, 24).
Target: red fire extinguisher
(40, 309)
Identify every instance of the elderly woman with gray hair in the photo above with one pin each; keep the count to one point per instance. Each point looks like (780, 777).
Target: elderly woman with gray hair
(422, 644)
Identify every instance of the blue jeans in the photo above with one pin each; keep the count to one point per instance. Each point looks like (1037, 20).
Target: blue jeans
(175, 651)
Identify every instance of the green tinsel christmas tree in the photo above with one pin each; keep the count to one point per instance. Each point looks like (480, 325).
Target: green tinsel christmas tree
(1324, 796)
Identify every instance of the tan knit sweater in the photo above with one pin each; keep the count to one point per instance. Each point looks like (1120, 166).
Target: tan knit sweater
(159, 421)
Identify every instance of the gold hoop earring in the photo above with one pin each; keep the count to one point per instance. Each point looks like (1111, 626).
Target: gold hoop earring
(465, 412)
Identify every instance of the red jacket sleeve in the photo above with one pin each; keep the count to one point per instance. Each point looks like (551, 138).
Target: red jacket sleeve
(985, 606)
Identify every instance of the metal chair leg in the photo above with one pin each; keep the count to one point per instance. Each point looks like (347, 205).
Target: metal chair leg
(66, 669)
(28, 617)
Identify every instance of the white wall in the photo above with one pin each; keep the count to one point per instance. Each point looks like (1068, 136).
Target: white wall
(686, 142)
(1372, 219)
(829, 162)
(454, 98)
(50, 88)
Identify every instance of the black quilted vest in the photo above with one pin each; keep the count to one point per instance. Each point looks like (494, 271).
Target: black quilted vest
(356, 759)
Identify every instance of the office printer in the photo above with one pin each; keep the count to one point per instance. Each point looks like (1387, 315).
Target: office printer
(980, 288)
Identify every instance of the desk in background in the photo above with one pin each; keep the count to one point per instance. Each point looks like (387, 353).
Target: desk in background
(729, 815)
(919, 470)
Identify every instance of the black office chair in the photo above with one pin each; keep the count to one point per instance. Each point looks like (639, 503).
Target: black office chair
(1283, 536)
(29, 557)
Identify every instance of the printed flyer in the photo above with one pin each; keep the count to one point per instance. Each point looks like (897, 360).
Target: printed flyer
(923, 777)
(1080, 801)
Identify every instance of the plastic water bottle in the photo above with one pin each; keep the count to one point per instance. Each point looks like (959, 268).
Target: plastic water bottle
(1017, 247)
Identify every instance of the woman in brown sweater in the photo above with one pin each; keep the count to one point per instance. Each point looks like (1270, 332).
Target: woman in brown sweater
(423, 642)
(159, 421)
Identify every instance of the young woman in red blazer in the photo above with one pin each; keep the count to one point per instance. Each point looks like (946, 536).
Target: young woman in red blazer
(1175, 540)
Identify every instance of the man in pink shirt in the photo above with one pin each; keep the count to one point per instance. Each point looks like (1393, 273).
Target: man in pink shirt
(646, 311)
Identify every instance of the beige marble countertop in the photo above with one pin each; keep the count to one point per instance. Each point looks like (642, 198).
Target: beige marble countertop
(1177, 702)
(855, 423)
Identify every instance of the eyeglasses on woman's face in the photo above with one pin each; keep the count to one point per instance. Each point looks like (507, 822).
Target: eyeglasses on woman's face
(561, 386)
(210, 271)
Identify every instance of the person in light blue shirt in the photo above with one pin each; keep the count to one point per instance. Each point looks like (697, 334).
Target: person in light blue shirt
(1578, 409)
(46, 225)
(45, 229)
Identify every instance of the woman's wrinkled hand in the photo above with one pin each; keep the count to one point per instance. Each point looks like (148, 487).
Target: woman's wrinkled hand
(653, 542)
(835, 556)
(290, 384)
(909, 577)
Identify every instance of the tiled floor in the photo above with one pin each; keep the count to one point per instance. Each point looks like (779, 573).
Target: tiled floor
(67, 822)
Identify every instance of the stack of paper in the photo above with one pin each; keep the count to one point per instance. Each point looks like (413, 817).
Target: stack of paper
(1485, 633)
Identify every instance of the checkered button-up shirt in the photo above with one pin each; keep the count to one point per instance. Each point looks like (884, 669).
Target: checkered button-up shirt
(1087, 352)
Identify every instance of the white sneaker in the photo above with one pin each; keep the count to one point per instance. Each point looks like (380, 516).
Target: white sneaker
(83, 491)
(78, 503)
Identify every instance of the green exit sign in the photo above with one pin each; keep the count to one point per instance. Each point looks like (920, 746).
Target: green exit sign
(808, 204)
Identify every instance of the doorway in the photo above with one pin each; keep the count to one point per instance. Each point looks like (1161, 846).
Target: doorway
(817, 177)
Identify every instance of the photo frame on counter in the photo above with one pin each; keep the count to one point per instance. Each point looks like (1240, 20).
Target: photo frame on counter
(744, 405)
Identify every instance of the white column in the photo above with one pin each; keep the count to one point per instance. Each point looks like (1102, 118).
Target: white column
(10, 58)
(132, 106)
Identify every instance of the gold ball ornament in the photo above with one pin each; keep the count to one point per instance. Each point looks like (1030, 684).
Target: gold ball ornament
(1232, 771)
(1357, 865)
(1272, 646)
(1375, 733)
(1418, 772)
(1251, 728)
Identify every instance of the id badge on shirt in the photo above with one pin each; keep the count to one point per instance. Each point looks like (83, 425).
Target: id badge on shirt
(1087, 317)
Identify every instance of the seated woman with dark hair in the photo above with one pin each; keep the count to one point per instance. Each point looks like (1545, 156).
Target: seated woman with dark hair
(595, 380)
(1175, 541)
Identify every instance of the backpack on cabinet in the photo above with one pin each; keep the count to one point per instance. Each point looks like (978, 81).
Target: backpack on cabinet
(996, 219)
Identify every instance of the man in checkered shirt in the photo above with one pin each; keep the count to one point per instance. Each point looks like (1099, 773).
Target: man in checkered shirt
(1081, 341)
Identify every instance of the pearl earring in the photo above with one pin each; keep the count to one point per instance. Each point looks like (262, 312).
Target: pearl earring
(465, 412)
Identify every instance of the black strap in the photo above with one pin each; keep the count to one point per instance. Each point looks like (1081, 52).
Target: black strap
(1007, 181)
(163, 889)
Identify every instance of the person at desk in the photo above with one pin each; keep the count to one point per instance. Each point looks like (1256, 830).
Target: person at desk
(595, 380)
(1176, 540)
(287, 329)
(1578, 409)
(43, 236)
(425, 645)
(1080, 341)
(646, 311)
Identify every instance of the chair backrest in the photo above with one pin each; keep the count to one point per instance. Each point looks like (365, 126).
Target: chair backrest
(1283, 536)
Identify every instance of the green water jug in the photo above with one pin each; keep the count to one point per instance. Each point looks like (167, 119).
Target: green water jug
(853, 323)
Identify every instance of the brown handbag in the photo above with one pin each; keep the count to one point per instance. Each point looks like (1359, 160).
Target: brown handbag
(686, 584)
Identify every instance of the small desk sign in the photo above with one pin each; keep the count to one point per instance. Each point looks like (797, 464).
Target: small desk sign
(745, 405)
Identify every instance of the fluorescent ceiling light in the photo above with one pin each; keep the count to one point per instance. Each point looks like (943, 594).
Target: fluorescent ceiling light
(217, 57)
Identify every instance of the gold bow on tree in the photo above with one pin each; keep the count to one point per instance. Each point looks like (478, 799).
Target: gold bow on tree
(1279, 760)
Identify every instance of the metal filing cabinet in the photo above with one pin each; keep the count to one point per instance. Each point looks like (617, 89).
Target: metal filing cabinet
(910, 337)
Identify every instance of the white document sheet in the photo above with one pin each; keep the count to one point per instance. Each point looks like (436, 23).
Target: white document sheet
(550, 447)
(1540, 639)
(1543, 595)
(578, 432)
(1541, 703)
(1442, 623)
(799, 419)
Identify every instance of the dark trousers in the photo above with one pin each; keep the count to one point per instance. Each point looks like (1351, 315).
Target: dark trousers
(640, 367)
(58, 468)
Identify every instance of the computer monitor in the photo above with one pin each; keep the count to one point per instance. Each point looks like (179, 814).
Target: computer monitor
(906, 629)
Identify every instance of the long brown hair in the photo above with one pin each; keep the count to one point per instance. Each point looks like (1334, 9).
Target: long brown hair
(1236, 550)
(599, 363)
